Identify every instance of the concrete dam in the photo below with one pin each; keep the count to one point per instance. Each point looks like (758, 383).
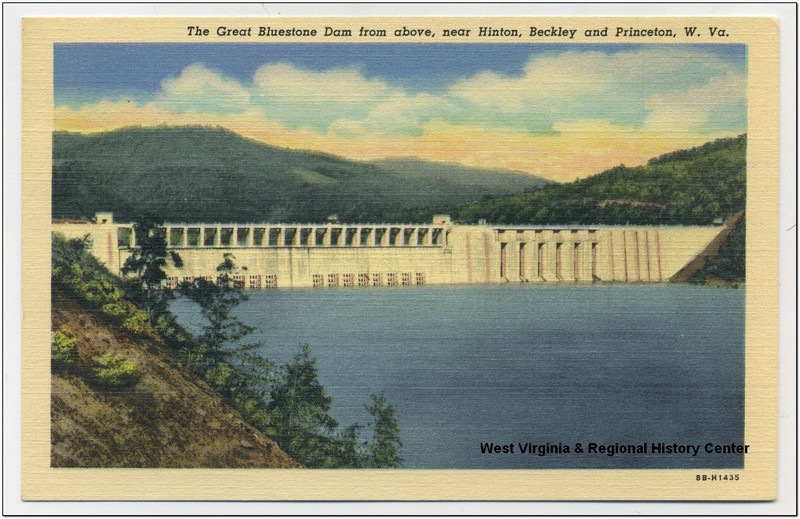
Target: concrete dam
(361, 255)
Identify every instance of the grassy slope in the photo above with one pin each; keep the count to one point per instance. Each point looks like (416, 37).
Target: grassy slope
(170, 418)
(211, 174)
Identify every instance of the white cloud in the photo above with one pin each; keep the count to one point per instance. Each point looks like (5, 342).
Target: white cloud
(694, 108)
(543, 80)
(199, 88)
(398, 114)
(616, 86)
(676, 86)
(284, 81)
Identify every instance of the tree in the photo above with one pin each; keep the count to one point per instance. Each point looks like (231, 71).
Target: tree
(299, 408)
(348, 452)
(384, 450)
(217, 302)
(229, 365)
(147, 263)
(300, 422)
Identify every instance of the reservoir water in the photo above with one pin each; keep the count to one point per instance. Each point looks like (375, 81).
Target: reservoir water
(511, 364)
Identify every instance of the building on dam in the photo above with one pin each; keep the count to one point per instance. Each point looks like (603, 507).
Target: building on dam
(272, 255)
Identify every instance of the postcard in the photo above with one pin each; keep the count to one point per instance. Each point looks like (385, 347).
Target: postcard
(400, 258)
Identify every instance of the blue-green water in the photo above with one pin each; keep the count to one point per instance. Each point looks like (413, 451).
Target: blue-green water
(625, 364)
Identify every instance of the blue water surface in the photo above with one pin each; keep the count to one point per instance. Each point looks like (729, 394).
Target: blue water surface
(604, 364)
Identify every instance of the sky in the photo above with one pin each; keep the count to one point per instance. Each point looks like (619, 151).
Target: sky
(557, 111)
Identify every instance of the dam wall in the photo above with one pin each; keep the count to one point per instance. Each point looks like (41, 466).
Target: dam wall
(103, 236)
(334, 254)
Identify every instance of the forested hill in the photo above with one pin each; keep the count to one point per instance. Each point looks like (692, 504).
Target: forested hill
(212, 174)
(692, 186)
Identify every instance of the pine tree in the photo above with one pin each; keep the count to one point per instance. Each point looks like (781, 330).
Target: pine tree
(384, 450)
(299, 408)
(147, 263)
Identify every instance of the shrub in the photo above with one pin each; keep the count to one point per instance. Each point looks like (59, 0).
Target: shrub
(167, 326)
(115, 372)
(219, 375)
(137, 323)
(253, 410)
(114, 309)
(62, 350)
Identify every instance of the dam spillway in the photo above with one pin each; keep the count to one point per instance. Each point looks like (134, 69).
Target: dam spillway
(335, 254)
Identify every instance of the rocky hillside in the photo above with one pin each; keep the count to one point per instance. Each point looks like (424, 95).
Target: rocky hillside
(168, 418)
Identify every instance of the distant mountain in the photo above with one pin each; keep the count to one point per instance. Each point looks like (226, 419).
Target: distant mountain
(211, 174)
(457, 174)
(692, 187)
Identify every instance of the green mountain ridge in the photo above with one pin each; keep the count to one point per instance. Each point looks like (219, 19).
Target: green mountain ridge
(685, 187)
(412, 167)
(193, 173)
